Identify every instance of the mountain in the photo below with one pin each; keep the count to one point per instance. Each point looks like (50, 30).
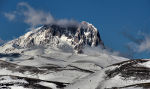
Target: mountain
(70, 38)
(67, 57)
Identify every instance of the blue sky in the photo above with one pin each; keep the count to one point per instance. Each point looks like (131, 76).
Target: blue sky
(111, 17)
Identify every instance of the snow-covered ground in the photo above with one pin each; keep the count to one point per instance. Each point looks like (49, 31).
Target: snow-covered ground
(61, 67)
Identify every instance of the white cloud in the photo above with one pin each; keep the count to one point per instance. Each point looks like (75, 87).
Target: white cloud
(10, 16)
(34, 17)
(65, 22)
(98, 50)
(145, 45)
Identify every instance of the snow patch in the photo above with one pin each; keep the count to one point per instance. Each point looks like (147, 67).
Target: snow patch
(46, 84)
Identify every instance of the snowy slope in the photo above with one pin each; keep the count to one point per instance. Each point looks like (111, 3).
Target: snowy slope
(132, 74)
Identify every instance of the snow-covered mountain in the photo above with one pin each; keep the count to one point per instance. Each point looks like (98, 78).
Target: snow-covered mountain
(68, 38)
(67, 57)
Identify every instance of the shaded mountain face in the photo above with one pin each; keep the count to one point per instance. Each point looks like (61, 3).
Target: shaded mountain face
(71, 37)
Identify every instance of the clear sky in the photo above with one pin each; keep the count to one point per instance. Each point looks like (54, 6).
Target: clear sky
(119, 21)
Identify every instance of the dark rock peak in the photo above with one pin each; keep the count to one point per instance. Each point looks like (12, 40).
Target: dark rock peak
(84, 31)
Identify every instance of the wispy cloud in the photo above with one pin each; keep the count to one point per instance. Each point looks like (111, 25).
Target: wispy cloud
(34, 17)
(141, 44)
(145, 45)
(98, 50)
(10, 16)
